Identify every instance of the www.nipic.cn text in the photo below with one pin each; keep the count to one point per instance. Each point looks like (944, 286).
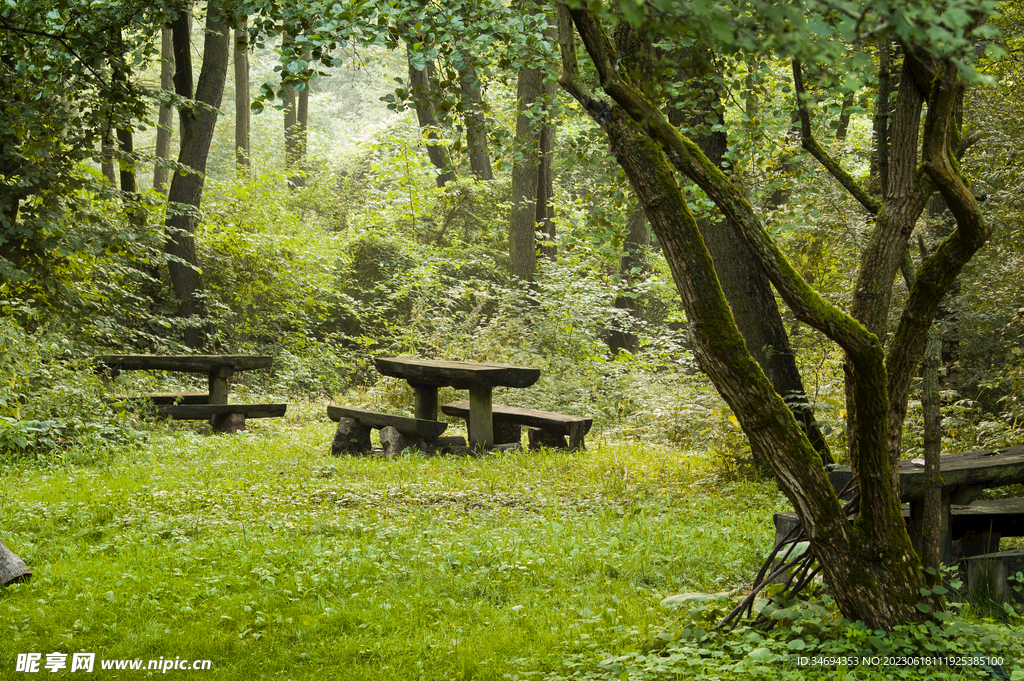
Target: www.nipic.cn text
(86, 662)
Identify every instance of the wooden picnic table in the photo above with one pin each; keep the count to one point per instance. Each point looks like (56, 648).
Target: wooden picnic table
(425, 376)
(218, 368)
(964, 478)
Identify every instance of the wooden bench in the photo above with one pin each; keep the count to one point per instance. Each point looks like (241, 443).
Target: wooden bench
(212, 405)
(551, 428)
(976, 528)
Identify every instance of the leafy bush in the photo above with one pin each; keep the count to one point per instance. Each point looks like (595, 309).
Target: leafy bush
(47, 402)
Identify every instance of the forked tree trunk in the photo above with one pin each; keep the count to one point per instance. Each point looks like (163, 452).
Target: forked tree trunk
(12, 568)
(871, 568)
(197, 125)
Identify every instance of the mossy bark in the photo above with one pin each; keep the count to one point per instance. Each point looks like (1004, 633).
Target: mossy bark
(871, 567)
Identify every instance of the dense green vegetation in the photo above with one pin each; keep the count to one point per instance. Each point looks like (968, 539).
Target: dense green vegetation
(266, 555)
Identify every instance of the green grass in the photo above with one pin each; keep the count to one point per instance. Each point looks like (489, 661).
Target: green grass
(273, 559)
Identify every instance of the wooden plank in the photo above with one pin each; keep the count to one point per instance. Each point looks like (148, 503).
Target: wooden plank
(558, 424)
(199, 364)
(980, 469)
(407, 425)
(461, 375)
(177, 398)
(196, 412)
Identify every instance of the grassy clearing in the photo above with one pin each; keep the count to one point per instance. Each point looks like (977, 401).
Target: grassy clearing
(271, 558)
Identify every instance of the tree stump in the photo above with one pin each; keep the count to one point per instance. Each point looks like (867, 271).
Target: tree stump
(539, 437)
(12, 568)
(351, 437)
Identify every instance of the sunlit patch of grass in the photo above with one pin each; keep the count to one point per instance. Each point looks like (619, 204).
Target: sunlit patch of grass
(270, 557)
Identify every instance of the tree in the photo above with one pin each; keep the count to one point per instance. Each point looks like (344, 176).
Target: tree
(242, 111)
(165, 121)
(424, 93)
(533, 145)
(871, 568)
(62, 102)
(197, 117)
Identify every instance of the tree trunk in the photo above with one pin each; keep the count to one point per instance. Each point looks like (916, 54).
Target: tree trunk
(422, 88)
(126, 143)
(870, 566)
(476, 125)
(745, 285)
(107, 164)
(243, 115)
(526, 175)
(545, 175)
(165, 123)
(197, 125)
(631, 268)
(12, 568)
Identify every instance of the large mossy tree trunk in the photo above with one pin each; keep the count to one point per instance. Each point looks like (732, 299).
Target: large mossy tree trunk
(870, 565)
(197, 120)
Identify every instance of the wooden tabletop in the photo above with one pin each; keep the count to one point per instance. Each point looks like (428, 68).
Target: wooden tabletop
(461, 375)
(199, 364)
(988, 468)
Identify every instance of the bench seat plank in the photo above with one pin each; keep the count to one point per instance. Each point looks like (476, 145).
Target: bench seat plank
(406, 425)
(557, 424)
(196, 412)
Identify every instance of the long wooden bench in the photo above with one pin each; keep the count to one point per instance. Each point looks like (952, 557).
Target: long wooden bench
(976, 527)
(549, 424)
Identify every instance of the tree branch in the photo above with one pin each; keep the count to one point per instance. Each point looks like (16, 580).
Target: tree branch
(684, 154)
(816, 150)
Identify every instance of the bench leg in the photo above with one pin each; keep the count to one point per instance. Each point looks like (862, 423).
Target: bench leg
(576, 433)
(227, 423)
(480, 424)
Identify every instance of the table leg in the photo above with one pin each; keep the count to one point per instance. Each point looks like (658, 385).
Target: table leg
(481, 424)
(426, 401)
(219, 384)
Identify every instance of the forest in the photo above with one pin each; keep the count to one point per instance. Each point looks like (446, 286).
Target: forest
(757, 244)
